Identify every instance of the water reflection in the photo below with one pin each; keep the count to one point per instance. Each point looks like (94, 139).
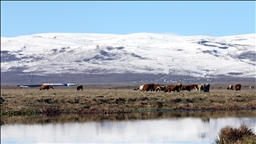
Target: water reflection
(134, 128)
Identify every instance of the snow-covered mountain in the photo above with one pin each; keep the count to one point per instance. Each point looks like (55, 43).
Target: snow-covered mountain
(55, 53)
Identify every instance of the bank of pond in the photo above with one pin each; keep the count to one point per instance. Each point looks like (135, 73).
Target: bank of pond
(138, 127)
(124, 115)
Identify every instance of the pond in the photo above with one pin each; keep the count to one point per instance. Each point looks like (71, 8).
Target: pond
(164, 127)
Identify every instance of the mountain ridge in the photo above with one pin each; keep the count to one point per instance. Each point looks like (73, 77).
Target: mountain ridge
(145, 53)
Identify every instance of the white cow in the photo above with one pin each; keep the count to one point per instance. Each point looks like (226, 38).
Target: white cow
(230, 87)
(201, 87)
(141, 87)
(160, 88)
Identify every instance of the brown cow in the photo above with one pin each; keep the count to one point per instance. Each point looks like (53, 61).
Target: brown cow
(43, 87)
(194, 86)
(173, 87)
(148, 87)
(238, 87)
(185, 87)
(179, 85)
(189, 87)
(158, 87)
(155, 86)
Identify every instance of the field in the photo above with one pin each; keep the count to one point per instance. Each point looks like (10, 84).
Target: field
(120, 99)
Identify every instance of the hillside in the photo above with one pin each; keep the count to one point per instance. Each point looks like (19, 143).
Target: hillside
(138, 53)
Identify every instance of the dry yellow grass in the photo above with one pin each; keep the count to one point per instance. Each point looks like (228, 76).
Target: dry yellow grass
(123, 100)
(241, 135)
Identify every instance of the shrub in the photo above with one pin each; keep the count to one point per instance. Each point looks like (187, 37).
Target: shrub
(241, 135)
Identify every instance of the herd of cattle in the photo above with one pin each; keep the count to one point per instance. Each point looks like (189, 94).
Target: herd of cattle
(174, 87)
(47, 87)
(159, 87)
(179, 87)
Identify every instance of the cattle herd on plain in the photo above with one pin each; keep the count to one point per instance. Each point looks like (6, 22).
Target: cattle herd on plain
(179, 87)
(174, 87)
(169, 88)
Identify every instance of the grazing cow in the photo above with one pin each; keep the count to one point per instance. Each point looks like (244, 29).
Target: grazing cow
(43, 87)
(206, 87)
(156, 86)
(173, 87)
(251, 87)
(185, 87)
(230, 87)
(148, 87)
(194, 86)
(1, 100)
(160, 88)
(189, 87)
(238, 87)
(200, 87)
(79, 87)
(141, 87)
(179, 85)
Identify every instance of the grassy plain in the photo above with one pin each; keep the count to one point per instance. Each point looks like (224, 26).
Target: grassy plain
(119, 99)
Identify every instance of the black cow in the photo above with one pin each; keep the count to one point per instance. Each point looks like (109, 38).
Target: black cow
(1, 100)
(206, 87)
(79, 87)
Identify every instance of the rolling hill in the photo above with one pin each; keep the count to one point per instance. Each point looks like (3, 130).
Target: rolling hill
(131, 54)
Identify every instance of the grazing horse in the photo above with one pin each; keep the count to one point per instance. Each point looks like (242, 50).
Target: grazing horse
(79, 87)
(43, 87)
(238, 87)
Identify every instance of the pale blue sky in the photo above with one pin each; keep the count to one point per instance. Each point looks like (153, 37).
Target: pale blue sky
(184, 18)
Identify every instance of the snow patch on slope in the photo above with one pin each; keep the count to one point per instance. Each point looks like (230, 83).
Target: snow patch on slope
(136, 53)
